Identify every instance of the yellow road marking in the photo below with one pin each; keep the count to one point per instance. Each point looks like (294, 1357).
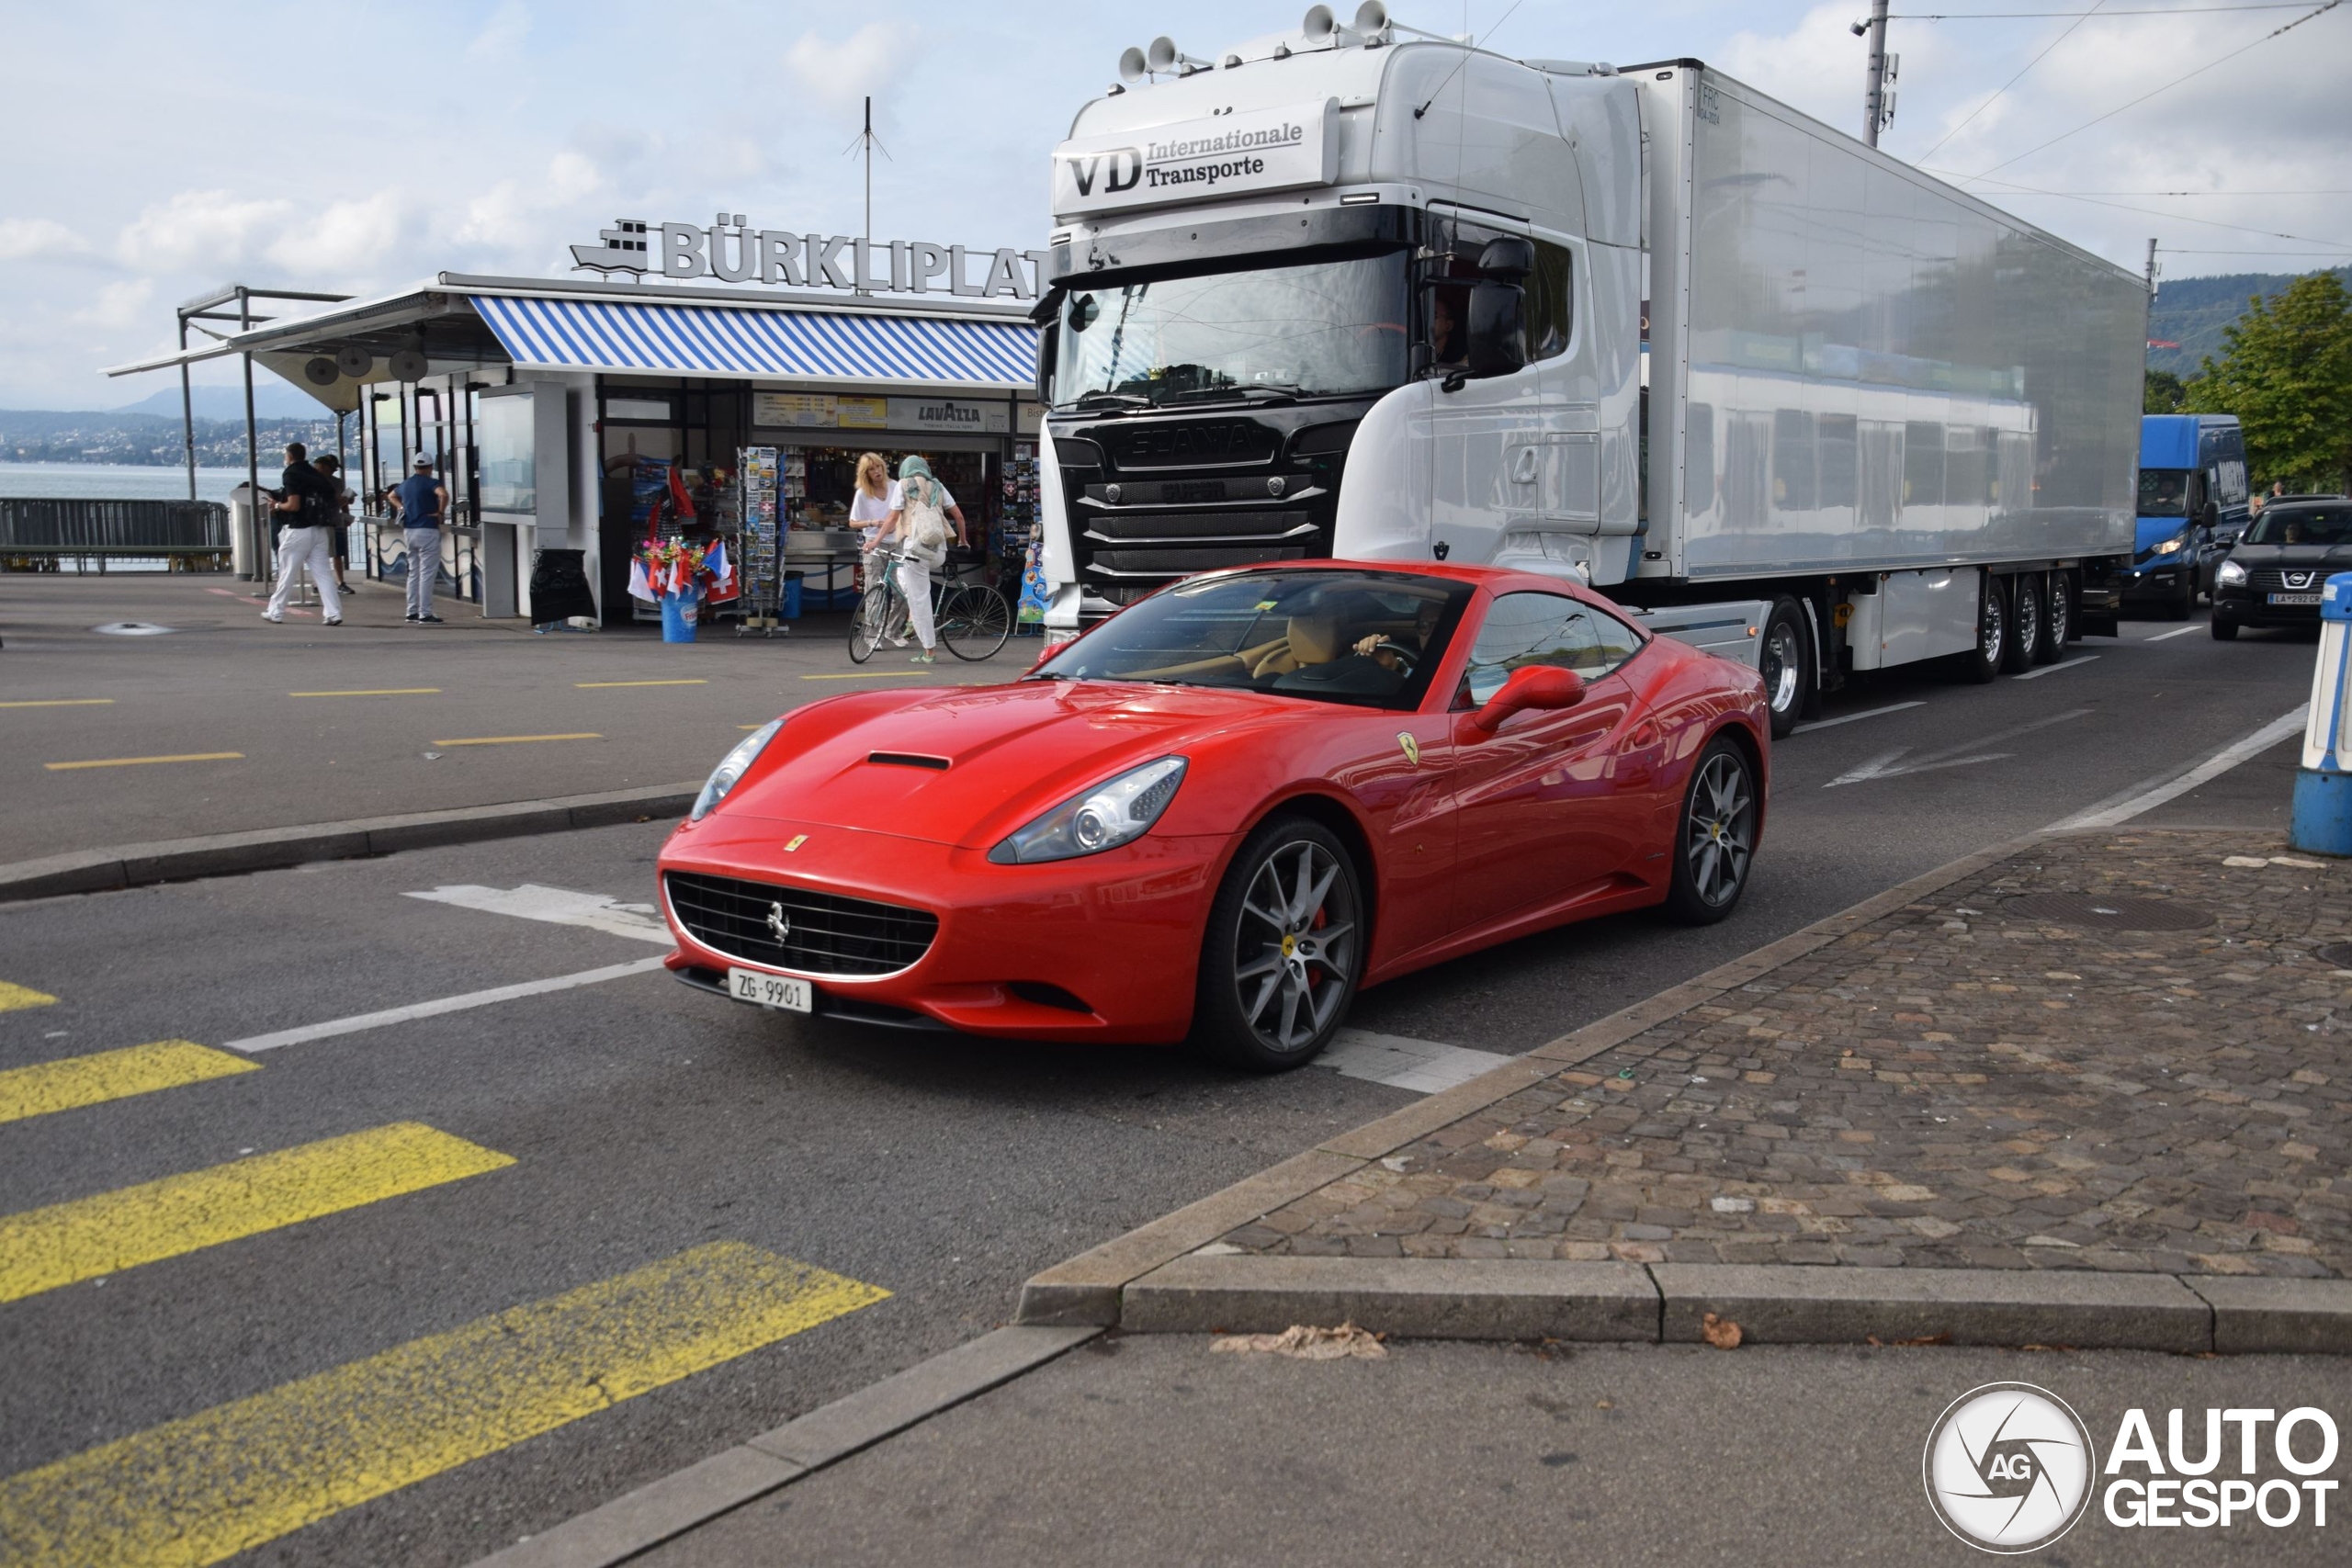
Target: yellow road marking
(142, 762)
(872, 675)
(516, 740)
(43, 1248)
(112, 1075)
(63, 703)
(376, 691)
(592, 685)
(224, 1481)
(15, 997)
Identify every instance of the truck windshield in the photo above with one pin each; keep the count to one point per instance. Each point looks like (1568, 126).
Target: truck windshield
(1313, 330)
(2164, 492)
(1333, 634)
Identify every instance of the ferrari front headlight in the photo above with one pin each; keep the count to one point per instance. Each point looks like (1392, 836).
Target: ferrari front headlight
(1102, 818)
(731, 769)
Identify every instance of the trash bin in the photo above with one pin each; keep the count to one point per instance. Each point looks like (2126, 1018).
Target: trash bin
(679, 614)
(2322, 818)
(792, 581)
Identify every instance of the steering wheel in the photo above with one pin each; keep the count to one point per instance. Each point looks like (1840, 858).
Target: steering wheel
(1408, 657)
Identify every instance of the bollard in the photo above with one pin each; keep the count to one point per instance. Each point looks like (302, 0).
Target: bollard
(2322, 820)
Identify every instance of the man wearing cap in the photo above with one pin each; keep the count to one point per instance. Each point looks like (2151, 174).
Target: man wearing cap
(420, 500)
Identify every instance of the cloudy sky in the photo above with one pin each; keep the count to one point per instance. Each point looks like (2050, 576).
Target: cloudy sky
(356, 147)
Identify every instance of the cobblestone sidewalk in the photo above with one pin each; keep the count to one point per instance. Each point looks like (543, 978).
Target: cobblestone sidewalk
(2122, 1051)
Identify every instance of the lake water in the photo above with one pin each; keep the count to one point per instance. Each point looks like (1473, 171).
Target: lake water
(118, 481)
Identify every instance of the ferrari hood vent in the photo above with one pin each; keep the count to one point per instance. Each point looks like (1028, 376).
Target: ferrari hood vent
(908, 759)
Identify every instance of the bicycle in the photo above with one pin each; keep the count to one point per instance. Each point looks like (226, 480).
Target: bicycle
(973, 619)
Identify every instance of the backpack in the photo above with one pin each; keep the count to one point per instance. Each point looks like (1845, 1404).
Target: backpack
(926, 526)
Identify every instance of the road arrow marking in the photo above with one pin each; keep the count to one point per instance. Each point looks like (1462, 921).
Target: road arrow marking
(556, 905)
(1890, 765)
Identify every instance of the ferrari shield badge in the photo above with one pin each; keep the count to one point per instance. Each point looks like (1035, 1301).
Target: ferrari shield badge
(797, 839)
(1410, 747)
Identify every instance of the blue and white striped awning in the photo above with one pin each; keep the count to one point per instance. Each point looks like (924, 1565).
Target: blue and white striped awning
(706, 340)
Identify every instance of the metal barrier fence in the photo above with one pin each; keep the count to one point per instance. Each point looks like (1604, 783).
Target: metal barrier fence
(37, 532)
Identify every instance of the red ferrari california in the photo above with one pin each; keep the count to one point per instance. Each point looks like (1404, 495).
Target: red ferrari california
(1223, 811)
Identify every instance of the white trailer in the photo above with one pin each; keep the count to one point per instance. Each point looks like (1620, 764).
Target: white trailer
(1378, 295)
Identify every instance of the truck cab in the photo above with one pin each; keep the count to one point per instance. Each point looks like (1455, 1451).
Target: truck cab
(2192, 507)
(1404, 327)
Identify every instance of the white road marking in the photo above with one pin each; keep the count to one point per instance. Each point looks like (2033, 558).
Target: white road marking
(2139, 798)
(1889, 764)
(2069, 664)
(367, 1020)
(1850, 717)
(2183, 631)
(556, 905)
(1422, 1065)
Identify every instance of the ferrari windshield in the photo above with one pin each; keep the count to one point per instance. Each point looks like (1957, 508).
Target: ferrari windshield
(1319, 328)
(1371, 639)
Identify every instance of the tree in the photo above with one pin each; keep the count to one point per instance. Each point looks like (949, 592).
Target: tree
(2286, 372)
(2163, 393)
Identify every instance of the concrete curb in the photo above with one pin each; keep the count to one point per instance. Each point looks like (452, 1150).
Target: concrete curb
(661, 1510)
(271, 849)
(1157, 1279)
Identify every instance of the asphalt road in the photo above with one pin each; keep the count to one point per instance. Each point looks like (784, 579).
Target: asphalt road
(266, 726)
(643, 1121)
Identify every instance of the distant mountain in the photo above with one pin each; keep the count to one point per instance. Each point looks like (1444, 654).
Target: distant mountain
(273, 398)
(2192, 311)
(49, 435)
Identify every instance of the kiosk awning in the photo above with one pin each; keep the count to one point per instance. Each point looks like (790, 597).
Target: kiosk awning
(703, 340)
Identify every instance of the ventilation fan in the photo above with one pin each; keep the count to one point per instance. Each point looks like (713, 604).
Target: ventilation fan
(319, 371)
(408, 365)
(354, 362)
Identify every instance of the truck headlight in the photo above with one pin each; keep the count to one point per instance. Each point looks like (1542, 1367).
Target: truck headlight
(2231, 575)
(1102, 818)
(731, 769)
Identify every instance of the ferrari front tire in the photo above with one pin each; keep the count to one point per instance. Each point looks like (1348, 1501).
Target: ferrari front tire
(1715, 840)
(1283, 951)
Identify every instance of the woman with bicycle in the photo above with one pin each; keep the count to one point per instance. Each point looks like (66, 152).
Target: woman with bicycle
(921, 525)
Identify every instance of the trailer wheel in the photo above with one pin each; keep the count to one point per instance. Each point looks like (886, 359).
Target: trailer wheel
(2059, 617)
(1786, 662)
(2025, 624)
(1992, 632)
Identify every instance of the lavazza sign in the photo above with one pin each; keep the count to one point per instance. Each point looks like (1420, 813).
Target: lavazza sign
(731, 250)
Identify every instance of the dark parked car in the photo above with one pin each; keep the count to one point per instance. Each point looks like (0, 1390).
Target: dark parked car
(2275, 572)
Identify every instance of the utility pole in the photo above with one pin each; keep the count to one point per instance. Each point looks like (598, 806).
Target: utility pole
(867, 142)
(1877, 108)
(2152, 269)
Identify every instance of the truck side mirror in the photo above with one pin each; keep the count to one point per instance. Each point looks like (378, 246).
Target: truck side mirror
(1495, 342)
(1507, 258)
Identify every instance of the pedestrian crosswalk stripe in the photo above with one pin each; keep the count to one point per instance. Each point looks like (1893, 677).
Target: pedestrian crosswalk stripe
(196, 1489)
(111, 1075)
(42, 1249)
(15, 997)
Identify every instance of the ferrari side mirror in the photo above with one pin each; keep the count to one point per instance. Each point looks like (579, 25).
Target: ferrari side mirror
(1534, 686)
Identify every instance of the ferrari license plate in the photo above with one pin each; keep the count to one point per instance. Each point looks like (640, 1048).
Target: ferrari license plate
(771, 990)
(2294, 598)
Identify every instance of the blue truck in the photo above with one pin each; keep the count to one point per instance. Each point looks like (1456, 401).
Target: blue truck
(2193, 496)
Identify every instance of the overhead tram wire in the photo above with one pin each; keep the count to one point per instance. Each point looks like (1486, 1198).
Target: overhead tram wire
(2021, 16)
(2012, 82)
(2007, 186)
(2322, 10)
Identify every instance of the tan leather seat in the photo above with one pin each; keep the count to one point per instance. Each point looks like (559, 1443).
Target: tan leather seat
(1310, 639)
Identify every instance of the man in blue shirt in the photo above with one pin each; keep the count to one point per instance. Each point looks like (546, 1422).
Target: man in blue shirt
(421, 500)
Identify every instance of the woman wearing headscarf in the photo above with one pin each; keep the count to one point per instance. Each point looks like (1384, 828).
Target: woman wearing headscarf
(921, 521)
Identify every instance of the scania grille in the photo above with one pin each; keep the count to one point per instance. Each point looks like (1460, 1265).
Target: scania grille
(798, 929)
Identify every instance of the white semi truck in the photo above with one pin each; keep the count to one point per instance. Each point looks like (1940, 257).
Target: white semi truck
(1366, 293)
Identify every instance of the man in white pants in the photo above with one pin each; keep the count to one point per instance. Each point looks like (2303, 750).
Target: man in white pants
(308, 542)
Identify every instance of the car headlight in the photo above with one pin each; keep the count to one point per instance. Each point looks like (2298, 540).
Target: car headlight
(1102, 818)
(731, 769)
(2231, 575)
(2169, 547)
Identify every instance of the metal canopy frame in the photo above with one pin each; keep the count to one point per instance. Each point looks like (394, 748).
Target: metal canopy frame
(206, 308)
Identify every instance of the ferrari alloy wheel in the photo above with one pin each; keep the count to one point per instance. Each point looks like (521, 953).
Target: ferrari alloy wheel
(1283, 951)
(1717, 840)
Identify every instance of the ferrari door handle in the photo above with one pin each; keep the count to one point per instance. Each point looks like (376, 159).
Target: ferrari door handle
(1645, 734)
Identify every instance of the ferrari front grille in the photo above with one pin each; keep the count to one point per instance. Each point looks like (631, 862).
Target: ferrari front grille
(797, 928)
